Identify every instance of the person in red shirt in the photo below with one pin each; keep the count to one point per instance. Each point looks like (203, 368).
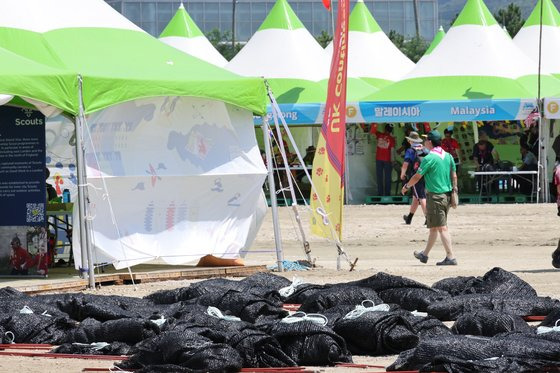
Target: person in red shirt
(450, 145)
(383, 158)
(20, 258)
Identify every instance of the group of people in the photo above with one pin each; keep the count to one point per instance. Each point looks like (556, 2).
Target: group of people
(21, 260)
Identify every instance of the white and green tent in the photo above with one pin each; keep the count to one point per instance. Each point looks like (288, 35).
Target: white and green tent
(372, 57)
(527, 39)
(173, 168)
(24, 81)
(437, 39)
(182, 33)
(475, 65)
(287, 55)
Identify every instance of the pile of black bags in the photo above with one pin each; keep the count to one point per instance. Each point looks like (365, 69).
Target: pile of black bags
(222, 325)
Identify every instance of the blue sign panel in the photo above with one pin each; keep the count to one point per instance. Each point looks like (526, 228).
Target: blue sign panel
(448, 111)
(22, 167)
(295, 114)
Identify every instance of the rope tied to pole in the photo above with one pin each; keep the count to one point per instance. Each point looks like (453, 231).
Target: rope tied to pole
(363, 308)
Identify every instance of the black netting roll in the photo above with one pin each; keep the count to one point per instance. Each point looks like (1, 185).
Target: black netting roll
(36, 328)
(247, 306)
(496, 365)
(552, 319)
(461, 347)
(338, 295)
(413, 299)
(428, 327)
(384, 281)
(452, 308)
(503, 283)
(123, 330)
(457, 285)
(184, 349)
(489, 323)
(377, 333)
(115, 348)
(303, 292)
(308, 343)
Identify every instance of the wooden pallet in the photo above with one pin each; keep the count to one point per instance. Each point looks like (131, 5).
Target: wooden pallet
(153, 276)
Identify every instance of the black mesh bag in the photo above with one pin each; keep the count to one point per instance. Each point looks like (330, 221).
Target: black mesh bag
(377, 333)
(308, 343)
(489, 323)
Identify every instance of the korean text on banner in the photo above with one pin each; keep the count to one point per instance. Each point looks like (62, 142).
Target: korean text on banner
(328, 165)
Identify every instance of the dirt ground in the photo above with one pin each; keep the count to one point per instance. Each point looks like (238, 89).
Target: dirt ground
(518, 238)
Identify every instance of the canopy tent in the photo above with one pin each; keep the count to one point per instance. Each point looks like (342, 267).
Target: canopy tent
(293, 62)
(194, 142)
(94, 40)
(371, 55)
(475, 73)
(182, 33)
(32, 82)
(437, 39)
(527, 39)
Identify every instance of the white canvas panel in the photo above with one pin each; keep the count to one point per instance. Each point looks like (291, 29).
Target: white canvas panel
(59, 14)
(527, 39)
(198, 47)
(472, 50)
(277, 53)
(184, 177)
(373, 55)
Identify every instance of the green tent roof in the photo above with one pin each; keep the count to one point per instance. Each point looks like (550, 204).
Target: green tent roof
(362, 20)
(281, 16)
(437, 39)
(26, 78)
(551, 16)
(181, 25)
(475, 12)
(117, 60)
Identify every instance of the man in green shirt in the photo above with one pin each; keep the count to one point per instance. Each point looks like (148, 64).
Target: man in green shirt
(439, 172)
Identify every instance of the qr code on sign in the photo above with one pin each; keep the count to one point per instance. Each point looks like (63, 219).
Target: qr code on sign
(35, 213)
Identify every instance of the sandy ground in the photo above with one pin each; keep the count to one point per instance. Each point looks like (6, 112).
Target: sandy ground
(518, 238)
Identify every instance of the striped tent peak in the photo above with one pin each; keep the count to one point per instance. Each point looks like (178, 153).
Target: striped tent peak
(371, 54)
(281, 16)
(361, 19)
(183, 34)
(475, 59)
(181, 25)
(282, 52)
(551, 16)
(527, 39)
(437, 39)
(475, 12)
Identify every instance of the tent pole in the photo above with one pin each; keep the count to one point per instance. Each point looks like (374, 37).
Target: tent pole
(305, 243)
(85, 241)
(272, 192)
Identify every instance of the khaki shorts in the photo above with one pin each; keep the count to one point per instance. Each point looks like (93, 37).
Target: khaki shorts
(437, 206)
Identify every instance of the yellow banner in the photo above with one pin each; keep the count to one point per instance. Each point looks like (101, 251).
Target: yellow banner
(330, 189)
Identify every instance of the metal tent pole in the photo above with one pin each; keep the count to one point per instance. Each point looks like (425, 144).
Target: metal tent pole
(305, 243)
(272, 192)
(85, 240)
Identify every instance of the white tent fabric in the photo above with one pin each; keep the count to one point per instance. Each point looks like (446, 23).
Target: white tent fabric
(473, 50)
(371, 54)
(527, 39)
(60, 14)
(198, 46)
(183, 176)
(183, 34)
(298, 56)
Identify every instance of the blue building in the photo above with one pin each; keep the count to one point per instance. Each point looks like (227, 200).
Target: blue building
(153, 15)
